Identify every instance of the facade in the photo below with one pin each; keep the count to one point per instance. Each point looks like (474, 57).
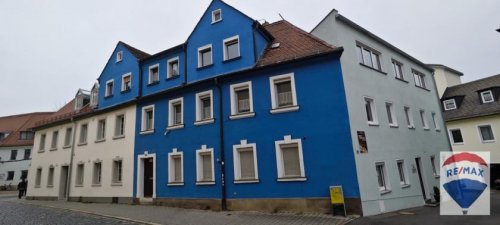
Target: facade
(445, 77)
(16, 144)
(472, 114)
(395, 117)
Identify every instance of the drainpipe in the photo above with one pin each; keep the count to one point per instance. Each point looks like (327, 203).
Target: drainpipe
(221, 143)
(70, 169)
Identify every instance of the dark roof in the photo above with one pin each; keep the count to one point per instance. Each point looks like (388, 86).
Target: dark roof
(445, 68)
(17, 123)
(64, 113)
(470, 104)
(294, 43)
(136, 52)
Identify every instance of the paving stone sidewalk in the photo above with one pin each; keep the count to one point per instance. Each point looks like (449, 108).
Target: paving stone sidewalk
(174, 216)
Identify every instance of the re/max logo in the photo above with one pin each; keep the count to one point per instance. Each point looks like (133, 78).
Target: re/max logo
(465, 170)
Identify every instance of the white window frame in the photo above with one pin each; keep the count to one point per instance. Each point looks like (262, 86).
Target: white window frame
(372, 52)
(119, 56)
(103, 138)
(435, 121)
(171, 113)
(68, 137)
(398, 68)
(409, 117)
(80, 137)
(42, 143)
(406, 181)
(171, 168)
(421, 78)
(199, 108)
(169, 70)
(114, 172)
(451, 136)
(123, 87)
(423, 119)
(53, 143)
(449, 100)
(387, 187)
(483, 93)
(144, 118)
(203, 48)
(237, 163)
(224, 46)
(109, 92)
(213, 15)
(199, 166)
(274, 94)
(287, 140)
(373, 109)
(116, 131)
(234, 106)
(150, 75)
(392, 114)
(481, 135)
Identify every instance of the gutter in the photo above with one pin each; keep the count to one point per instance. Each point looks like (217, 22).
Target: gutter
(70, 169)
(221, 143)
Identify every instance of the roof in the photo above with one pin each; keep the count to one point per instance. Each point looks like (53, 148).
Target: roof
(136, 52)
(66, 112)
(470, 105)
(441, 66)
(294, 43)
(17, 123)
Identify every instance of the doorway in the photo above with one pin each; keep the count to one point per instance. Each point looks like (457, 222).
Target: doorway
(148, 178)
(63, 183)
(418, 163)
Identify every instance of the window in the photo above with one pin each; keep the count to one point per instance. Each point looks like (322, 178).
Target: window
(96, 179)
(487, 96)
(456, 136)
(50, 178)
(38, 178)
(67, 137)
(126, 82)
(80, 169)
(449, 104)
(409, 117)
(42, 142)
(205, 56)
(120, 125)
(371, 112)
(3, 135)
(101, 130)
(419, 79)
(109, 88)
(283, 94)
(433, 164)
(27, 154)
(24, 174)
(403, 180)
(398, 69)
(175, 168)
(13, 154)
(205, 166)
(119, 56)
(117, 171)
(382, 177)
(148, 118)
(245, 163)
(10, 175)
(232, 47)
(241, 100)
(391, 117)
(216, 15)
(26, 135)
(368, 57)
(175, 114)
(290, 160)
(486, 133)
(423, 120)
(204, 107)
(83, 133)
(154, 74)
(173, 67)
(435, 121)
(55, 135)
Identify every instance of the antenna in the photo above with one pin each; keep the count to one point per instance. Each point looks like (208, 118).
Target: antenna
(281, 16)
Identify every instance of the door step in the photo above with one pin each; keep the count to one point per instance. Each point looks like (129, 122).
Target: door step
(146, 201)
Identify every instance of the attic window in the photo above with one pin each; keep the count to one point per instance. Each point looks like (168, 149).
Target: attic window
(275, 45)
(216, 15)
(449, 104)
(119, 56)
(487, 96)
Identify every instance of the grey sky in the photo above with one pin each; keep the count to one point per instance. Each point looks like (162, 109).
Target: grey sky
(49, 49)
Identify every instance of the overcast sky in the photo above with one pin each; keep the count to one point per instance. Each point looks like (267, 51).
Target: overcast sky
(49, 49)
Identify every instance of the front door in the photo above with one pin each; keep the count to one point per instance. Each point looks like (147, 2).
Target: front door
(419, 171)
(63, 182)
(148, 177)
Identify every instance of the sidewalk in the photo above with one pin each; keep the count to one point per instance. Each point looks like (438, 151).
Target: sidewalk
(147, 214)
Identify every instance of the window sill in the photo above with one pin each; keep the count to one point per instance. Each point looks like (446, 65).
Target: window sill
(393, 125)
(436, 176)
(41, 151)
(116, 184)
(96, 185)
(100, 140)
(108, 96)
(118, 137)
(457, 143)
(214, 22)
(232, 59)
(402, 80)
(147, 132)
(152, 83)
(204, 67)
(405, 185)
(375, 124)
(203, 122)
(176, 184)
(53, 149)
(173, 77)
(205, 183)
(422, 88)
(384, 192)
(246, 181)
(175, 127)
(125, 91)
(285, 109)
(82, 144)
(37, 186)
(289, 179)
(437, 130)
(369, 67)
(487, 142)
(411, 127)
(50, 186)
(426, 128)
(242, 115)
(67, 146)
(78, 185)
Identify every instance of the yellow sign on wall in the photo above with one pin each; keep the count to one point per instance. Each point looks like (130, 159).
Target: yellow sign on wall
(336, 195)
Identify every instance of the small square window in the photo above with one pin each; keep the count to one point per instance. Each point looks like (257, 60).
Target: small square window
(486, 133)
(456, 136)
(173, 67)
(487, 96)
(119, 56)
(175, 114)
(449, 104)
(126, 82)
(216, 15)
(109, 88)
(148, 118)
(231, 48)
(205, 56)
(154, 74)
(10, 175)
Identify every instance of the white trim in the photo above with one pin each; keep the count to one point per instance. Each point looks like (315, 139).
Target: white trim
(150, 75)
(451, 136)
(140, 174)
(287, 140)
(123, 83)
(481, 135)
(436, 123)
(373, 109)
(423, 119)
(171, 168)
(171, 103)
(213, 16)
(143, 120)
(115, 135)
(119, 56)
(406, 181)
(199, 167)
(169, 71)
(103, 138)
(199, 108)
(274, 97)
(387, 184)
(202, 48)
(107, 92)
(237, 163)
(234, 109)
(489, 92)
(393, 114)
(448, 100)
(409, 117)
(224, 46)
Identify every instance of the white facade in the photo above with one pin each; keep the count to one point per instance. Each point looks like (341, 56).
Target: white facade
(445, 77)
(16, 166)
(110, 150)
(405, 145)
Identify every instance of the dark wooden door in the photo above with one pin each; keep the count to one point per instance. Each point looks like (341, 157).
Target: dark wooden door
(148, 177)
(422, 186)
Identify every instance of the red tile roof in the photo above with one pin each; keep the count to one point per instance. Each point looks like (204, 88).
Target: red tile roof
(17, 123)
(66, 112)
(294, 43)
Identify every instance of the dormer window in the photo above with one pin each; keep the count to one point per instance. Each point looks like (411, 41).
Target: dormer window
(205, 56)
(449, 104)
(109, 88)
(487, 96)
(119, 56)
(216, 15)
(126, 82)
(232, 48)
(173, 67)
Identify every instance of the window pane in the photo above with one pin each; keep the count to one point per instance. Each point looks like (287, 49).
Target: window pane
(177, 169)
(247, 164)
(291, 161)
(206, 109)
(487, 97)
(376, 61)
(369, 113)
(174, 68)
(486, 133)
(380, 176)
(407, 113)
(284, 90)
(388, 107)
(359, 52)
(206, 57)
(401, 172)
(207, 167)
(367, 56)
(154, 76)
(243, 100)
(232, 49)
(457, 136)
(177, 114)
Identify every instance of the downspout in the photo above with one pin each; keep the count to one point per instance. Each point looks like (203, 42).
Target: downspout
(221, 143)
(70, 169)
